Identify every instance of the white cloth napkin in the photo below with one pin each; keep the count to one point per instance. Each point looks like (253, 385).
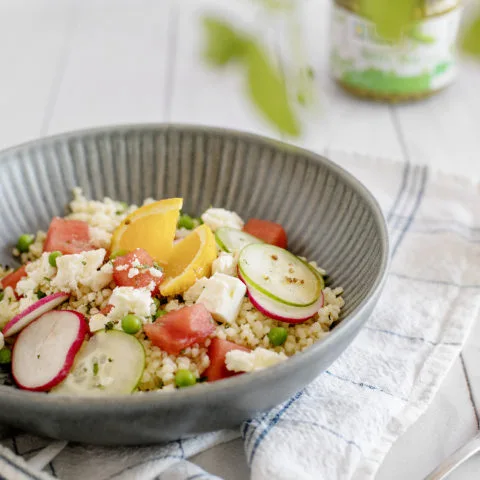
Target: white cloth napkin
(342, 425)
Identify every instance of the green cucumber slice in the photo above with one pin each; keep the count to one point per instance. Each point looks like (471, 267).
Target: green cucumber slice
(110, 363)
(231, 239)
(280, 275)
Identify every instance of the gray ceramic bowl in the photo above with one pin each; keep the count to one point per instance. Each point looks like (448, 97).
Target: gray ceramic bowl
(329, 216)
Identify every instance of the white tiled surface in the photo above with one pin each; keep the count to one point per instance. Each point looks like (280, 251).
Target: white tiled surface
(75, 63)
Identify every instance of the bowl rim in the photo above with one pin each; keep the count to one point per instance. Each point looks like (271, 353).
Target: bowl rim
(104, 404)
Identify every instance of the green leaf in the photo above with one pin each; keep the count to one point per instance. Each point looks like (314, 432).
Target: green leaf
(470, 40)
(268, 91)
(391, 17)
(223, 43)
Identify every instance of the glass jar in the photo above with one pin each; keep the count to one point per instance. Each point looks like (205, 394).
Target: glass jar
(421, 64)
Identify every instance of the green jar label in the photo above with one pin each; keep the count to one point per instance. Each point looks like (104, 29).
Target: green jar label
(422, 62)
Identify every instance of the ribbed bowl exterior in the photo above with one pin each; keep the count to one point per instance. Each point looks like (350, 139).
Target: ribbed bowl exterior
(328, 215)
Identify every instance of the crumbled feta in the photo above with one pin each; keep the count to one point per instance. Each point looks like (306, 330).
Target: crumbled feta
(258, 359)
(225, 263)
(122, 268)
(136, 261)
(127, 300)
(39, 271)
(222, 297)
(133, 272)
(99, 237)
(82, 269)
(219, 217)
(97, 322)
(192, 294)
(155, 272)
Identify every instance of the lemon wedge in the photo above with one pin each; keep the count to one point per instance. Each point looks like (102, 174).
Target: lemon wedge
(151, 227)
(190, 259)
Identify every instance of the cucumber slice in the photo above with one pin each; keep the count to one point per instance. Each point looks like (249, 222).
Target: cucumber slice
(280, 275)
(109, 363)
(231, 239)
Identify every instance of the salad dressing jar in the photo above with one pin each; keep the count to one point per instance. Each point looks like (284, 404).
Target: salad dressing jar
(420, 64)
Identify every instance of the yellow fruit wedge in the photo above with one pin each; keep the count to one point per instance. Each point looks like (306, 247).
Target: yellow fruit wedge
(191, 259)
(151, 227)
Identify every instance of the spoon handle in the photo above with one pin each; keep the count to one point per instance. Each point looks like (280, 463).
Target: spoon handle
(455, 459)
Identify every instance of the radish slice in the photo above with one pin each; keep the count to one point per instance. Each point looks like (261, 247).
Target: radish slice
(232, 239)
(44, 352)
(279, 311)
(111, 362)
(34, 311)
(280, 275)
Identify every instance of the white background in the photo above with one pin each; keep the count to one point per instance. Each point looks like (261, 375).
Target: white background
(67, 64)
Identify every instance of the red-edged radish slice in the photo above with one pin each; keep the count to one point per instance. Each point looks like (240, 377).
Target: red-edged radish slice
(34, 311)
(45, 350)
(280, 311)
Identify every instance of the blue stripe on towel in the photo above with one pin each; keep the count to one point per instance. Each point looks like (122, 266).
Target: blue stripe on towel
(327, 429)
(408, 337)
(416, 206)
(401, 191)
(365, 385)
(272, 423)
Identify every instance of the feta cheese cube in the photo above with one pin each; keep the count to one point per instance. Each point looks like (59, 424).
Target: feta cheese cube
(258, 359)
(222, 297)
(219, 217)
(127, 300)
(225, 263)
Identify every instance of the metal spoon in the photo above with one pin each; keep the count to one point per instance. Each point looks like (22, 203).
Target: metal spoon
(455, 459)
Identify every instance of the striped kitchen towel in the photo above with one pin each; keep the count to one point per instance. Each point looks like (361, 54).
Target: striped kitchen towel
(349, 417)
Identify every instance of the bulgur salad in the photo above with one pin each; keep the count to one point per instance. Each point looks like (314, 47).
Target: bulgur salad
(116, 298)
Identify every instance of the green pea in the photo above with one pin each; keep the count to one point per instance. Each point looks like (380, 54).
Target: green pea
(117, 253)
(184, 378)
(5, 356)
(2, 294)
(277, 336)
(156, 301)
(186, 221)
(24, 242)
(40, 294)
(160, 313)
(131, 324)
(52, 258)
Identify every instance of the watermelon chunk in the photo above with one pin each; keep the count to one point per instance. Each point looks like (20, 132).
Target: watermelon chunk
(181, 328)
(68, 237)
(217, 352)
